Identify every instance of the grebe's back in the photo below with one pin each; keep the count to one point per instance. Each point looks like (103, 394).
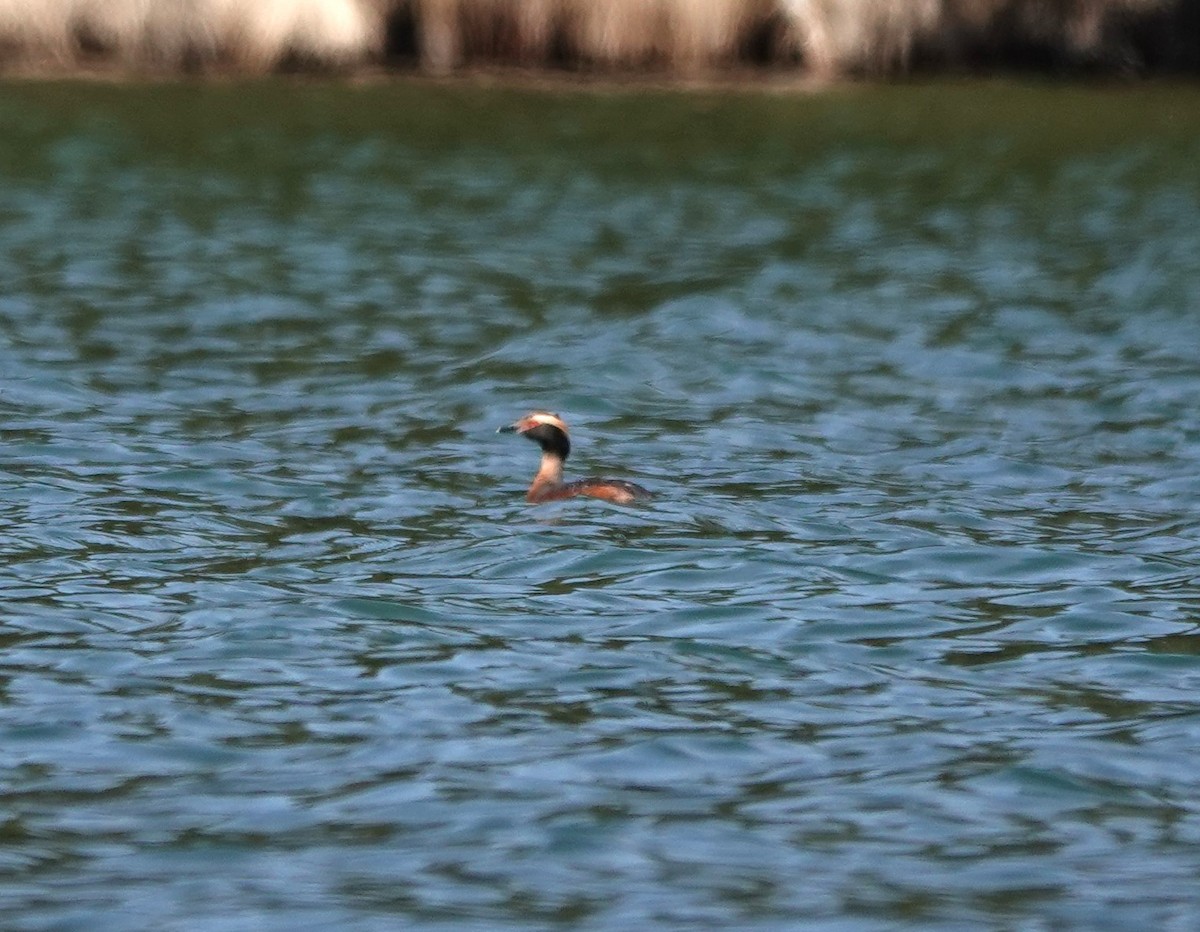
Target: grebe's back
(618, 491)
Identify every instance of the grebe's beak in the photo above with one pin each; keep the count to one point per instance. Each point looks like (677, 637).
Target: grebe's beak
(507, 429)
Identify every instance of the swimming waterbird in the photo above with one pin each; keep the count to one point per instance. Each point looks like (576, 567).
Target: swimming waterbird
(549, 432)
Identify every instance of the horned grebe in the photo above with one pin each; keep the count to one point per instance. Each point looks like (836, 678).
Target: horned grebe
(550, 433)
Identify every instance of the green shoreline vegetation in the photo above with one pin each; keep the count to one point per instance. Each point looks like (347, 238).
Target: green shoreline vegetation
(743, 39)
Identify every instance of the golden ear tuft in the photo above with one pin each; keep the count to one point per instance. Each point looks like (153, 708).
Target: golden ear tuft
(545, 417)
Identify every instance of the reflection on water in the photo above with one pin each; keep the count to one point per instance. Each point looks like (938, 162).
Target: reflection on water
(909, 632)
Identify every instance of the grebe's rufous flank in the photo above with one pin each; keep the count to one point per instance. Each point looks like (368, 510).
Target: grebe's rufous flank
(549, 432)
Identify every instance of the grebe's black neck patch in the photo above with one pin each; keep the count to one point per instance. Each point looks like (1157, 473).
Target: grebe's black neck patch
(551, 439)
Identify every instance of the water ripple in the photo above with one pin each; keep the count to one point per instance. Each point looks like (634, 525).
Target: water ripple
(908, 634)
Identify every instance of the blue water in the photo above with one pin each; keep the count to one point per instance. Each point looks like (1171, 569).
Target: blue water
(908, 637)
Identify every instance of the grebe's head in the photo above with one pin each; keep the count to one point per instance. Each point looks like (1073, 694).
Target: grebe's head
(548, 430)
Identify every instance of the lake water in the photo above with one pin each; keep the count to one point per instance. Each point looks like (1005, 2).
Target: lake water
(910, 635)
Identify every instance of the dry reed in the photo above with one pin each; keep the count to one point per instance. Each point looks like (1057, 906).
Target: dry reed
(825, 38)
(252, 35)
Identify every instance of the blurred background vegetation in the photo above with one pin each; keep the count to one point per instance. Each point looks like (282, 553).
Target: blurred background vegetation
(740, 39)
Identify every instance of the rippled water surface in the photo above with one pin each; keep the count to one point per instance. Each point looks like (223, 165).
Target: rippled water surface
(910, 634)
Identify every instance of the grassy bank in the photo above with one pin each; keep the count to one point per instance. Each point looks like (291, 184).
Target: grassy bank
(822, 38)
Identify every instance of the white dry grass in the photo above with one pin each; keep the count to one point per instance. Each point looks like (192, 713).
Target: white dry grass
(707, 33)
(35, 30)
(253, 35)
(618, 32)
(258, 36)
(828, 37)
(876, 36)
(686, 35)
(440, 35)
